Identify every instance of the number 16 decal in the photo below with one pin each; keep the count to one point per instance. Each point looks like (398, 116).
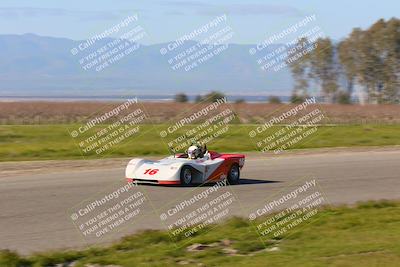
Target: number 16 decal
(151, 171)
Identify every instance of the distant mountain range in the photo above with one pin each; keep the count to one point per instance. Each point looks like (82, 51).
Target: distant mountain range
(35, 65)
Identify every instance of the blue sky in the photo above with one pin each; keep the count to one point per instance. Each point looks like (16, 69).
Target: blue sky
(165, 20)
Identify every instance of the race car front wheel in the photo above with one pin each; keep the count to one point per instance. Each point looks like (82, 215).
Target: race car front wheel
(234, 174)
(186, 176)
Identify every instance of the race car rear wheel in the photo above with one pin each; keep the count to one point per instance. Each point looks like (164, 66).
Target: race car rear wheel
(234, 174)
(186, 176)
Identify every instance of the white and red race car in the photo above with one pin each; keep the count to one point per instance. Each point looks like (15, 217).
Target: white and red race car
(180, 170)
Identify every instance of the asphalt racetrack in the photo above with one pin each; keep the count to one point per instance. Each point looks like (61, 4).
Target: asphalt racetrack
(36, 208)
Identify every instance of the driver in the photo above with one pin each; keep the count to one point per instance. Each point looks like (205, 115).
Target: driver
(194, 152)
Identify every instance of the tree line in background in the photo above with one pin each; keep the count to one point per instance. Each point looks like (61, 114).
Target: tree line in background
(368, 60)
(215, 95)
(366, 64)
(210, 97)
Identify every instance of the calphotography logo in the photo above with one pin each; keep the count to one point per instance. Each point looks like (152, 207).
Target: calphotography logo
(288, 129)
(111, 128)
(186, 54)
(109, 212)
(100, 51)
(197, 211)
(282, 215)
(288, 46)
(207, 123)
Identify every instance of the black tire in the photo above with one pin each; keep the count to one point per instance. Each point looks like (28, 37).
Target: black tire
(186, 176)
(234, 174)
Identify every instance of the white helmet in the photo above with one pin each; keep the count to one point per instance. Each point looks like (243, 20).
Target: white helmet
(193, 152)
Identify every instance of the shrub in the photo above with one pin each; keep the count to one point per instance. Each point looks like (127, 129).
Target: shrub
(274, 100)
(211, 97)
(343, 98)
(181, 98)
(296, 99)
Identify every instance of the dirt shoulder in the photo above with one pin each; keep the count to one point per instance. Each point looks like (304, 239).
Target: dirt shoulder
(55, 166)
(49, 112)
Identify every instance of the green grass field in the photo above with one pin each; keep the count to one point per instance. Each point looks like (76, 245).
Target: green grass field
(40, 142)
(365, 235)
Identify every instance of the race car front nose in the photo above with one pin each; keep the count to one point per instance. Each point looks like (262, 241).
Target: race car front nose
(160, 182)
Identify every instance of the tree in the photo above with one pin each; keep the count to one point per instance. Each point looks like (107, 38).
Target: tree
(297, 99)
(297, 60)
(323, 68)
(198, 99)
(370, 58)
(353, 61)
(213, 96)
(343, 98)
(391, 58)
(371, 68)
(274, 100)
(348, 60)
(181, 98)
